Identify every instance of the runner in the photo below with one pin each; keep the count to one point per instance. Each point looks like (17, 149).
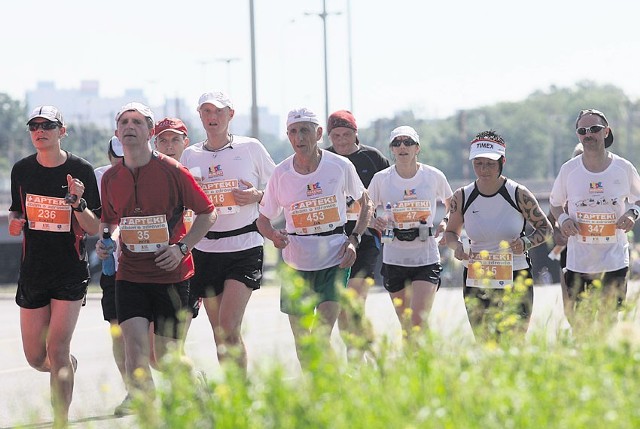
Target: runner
(343, 133)
(145, 196)
(55, 204)
(494, 211)
(601, 193)
(311, 188)
(228, 260)
(411, 260)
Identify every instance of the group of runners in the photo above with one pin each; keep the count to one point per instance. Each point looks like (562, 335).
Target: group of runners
(190, 223)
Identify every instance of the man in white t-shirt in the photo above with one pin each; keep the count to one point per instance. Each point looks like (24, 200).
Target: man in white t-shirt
(601, 192)
(232, 170)
(311, 188)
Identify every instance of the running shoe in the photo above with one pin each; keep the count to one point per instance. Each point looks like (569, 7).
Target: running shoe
(125, 408)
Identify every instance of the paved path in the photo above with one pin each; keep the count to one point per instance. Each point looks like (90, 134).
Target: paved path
(24, 396)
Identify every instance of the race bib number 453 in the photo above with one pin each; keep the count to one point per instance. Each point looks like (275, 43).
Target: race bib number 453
(315, 215)
(48, 213)
(144, 233)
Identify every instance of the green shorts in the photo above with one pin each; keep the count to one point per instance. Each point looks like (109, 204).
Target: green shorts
(305, 290)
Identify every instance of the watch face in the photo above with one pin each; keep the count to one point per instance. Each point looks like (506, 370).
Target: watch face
(183, 248)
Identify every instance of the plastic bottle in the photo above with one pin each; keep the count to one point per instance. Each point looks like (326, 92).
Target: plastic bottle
(423, 230)
(387, 234)
(109, 264)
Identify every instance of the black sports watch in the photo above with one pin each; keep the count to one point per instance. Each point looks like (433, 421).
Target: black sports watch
(82, 206)
(357, 237)
(635, 211)
(184, 249)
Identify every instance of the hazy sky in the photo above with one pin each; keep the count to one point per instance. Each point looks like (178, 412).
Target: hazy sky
(432, 57)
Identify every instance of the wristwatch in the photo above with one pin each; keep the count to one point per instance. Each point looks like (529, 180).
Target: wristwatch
(635, 211)
(357, 237)
(527, 243)
(82, 206)
(184, 249)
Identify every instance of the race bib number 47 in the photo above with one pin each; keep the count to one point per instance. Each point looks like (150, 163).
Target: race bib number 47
(48, 213)
(144, 233)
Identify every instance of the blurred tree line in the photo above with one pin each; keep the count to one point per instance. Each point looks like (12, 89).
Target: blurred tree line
(539, 131)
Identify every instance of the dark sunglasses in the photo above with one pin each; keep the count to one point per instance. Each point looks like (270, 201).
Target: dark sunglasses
(34, 126)
(592, 129)
(407, 143)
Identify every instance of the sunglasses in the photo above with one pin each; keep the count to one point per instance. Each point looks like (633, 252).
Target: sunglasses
(407, 143)
(591, 130)
(35, 126)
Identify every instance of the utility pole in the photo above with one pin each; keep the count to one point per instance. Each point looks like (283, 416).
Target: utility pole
(323, 15)
(255, 129)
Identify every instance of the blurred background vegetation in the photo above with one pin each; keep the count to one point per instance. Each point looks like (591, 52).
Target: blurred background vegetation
(539, 131)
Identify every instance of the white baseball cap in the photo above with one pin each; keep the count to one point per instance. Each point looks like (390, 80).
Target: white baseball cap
(302, 114)
(138, 107)
(217, 98)
(405, 131)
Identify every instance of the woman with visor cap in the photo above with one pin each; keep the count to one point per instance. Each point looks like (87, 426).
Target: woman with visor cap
(494, 211)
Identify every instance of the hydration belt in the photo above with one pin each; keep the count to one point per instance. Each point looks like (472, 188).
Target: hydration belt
(408, 234)
(215, 235)
(338, 230)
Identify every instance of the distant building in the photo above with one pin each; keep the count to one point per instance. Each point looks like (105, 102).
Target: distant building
(83, 105)
(86, 106)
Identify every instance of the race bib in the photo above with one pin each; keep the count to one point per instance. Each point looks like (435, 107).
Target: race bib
(187, 219)
(407, 214)
(144, 233)
(315, 215)
(596, 228)
(48, 213)
(353, 210)
(490, 270)
(220, 193)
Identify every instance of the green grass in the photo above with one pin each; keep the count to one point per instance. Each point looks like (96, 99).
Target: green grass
(587, 380)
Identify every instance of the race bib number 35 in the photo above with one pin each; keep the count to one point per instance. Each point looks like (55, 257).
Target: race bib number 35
(315, 215)
(597, 228)
(48, 213)
(490, 270)
(144, 233)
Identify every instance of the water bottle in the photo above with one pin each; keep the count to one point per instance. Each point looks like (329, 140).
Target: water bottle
(109, 264)
(423, 230)
(387, 234)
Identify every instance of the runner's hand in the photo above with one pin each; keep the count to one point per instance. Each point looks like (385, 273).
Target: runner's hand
(168, 258)
(250, 195)
(16, 225)
(348, 254)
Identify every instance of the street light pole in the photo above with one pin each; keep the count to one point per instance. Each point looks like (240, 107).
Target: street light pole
(228, 61)
(255, 130)
(323, 15)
